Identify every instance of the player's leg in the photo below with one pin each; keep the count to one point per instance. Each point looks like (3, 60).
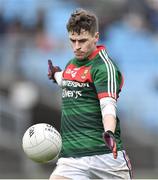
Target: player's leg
(106, 167)
(71, 168)
(58, 177)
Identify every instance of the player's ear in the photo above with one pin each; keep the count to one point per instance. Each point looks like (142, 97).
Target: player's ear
(96, 37)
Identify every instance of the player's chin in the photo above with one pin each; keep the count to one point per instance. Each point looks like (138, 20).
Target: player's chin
(80, 57)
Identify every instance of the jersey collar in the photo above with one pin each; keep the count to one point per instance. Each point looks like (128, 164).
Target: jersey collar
(95, 52)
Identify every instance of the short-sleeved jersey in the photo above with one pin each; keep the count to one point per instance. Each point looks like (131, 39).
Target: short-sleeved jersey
(84, 83)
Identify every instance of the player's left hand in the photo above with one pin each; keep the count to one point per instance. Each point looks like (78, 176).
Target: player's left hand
(109, 139)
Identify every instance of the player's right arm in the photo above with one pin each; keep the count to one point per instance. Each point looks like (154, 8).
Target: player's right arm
(54, 73)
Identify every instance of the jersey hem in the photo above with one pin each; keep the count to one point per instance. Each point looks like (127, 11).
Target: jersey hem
(87, 154)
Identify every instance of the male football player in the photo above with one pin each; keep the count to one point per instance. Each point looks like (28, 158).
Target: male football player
(91, 82)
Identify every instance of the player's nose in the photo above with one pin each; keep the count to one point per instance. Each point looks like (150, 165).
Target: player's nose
(77, 45)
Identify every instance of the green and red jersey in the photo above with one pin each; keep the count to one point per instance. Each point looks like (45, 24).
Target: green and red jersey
(84, 83)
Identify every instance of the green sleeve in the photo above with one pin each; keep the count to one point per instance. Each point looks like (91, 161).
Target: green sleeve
(107, 80)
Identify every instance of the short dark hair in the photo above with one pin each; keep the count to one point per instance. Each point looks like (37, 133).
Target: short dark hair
(82, 19)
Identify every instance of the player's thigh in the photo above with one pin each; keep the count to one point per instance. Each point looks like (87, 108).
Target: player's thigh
(55, 177)
(70, 168)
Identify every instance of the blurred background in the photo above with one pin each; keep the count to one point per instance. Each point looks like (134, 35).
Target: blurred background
(33, 31)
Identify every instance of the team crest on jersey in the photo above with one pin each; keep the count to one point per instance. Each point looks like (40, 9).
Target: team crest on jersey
(83, 76)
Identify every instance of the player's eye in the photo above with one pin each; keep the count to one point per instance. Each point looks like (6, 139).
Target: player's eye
(72, 40)
(82, 40)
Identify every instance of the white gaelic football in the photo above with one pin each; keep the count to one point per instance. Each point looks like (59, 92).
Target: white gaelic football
(42, 142)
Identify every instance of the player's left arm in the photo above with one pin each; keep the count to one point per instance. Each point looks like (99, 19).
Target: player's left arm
(108, 109)
(108, 82)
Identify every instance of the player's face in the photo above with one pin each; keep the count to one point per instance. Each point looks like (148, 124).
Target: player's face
(83, 44)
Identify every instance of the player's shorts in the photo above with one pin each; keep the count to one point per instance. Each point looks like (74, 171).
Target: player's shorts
(94, 167)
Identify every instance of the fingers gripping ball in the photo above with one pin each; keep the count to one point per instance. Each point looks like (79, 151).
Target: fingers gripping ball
(42, 142)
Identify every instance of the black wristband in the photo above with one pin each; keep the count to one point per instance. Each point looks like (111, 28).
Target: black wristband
(110, 133)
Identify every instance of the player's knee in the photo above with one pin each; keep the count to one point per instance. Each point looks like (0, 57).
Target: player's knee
(58, 177)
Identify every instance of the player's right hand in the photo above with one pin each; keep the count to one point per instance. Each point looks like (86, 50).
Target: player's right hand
(52, 70)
